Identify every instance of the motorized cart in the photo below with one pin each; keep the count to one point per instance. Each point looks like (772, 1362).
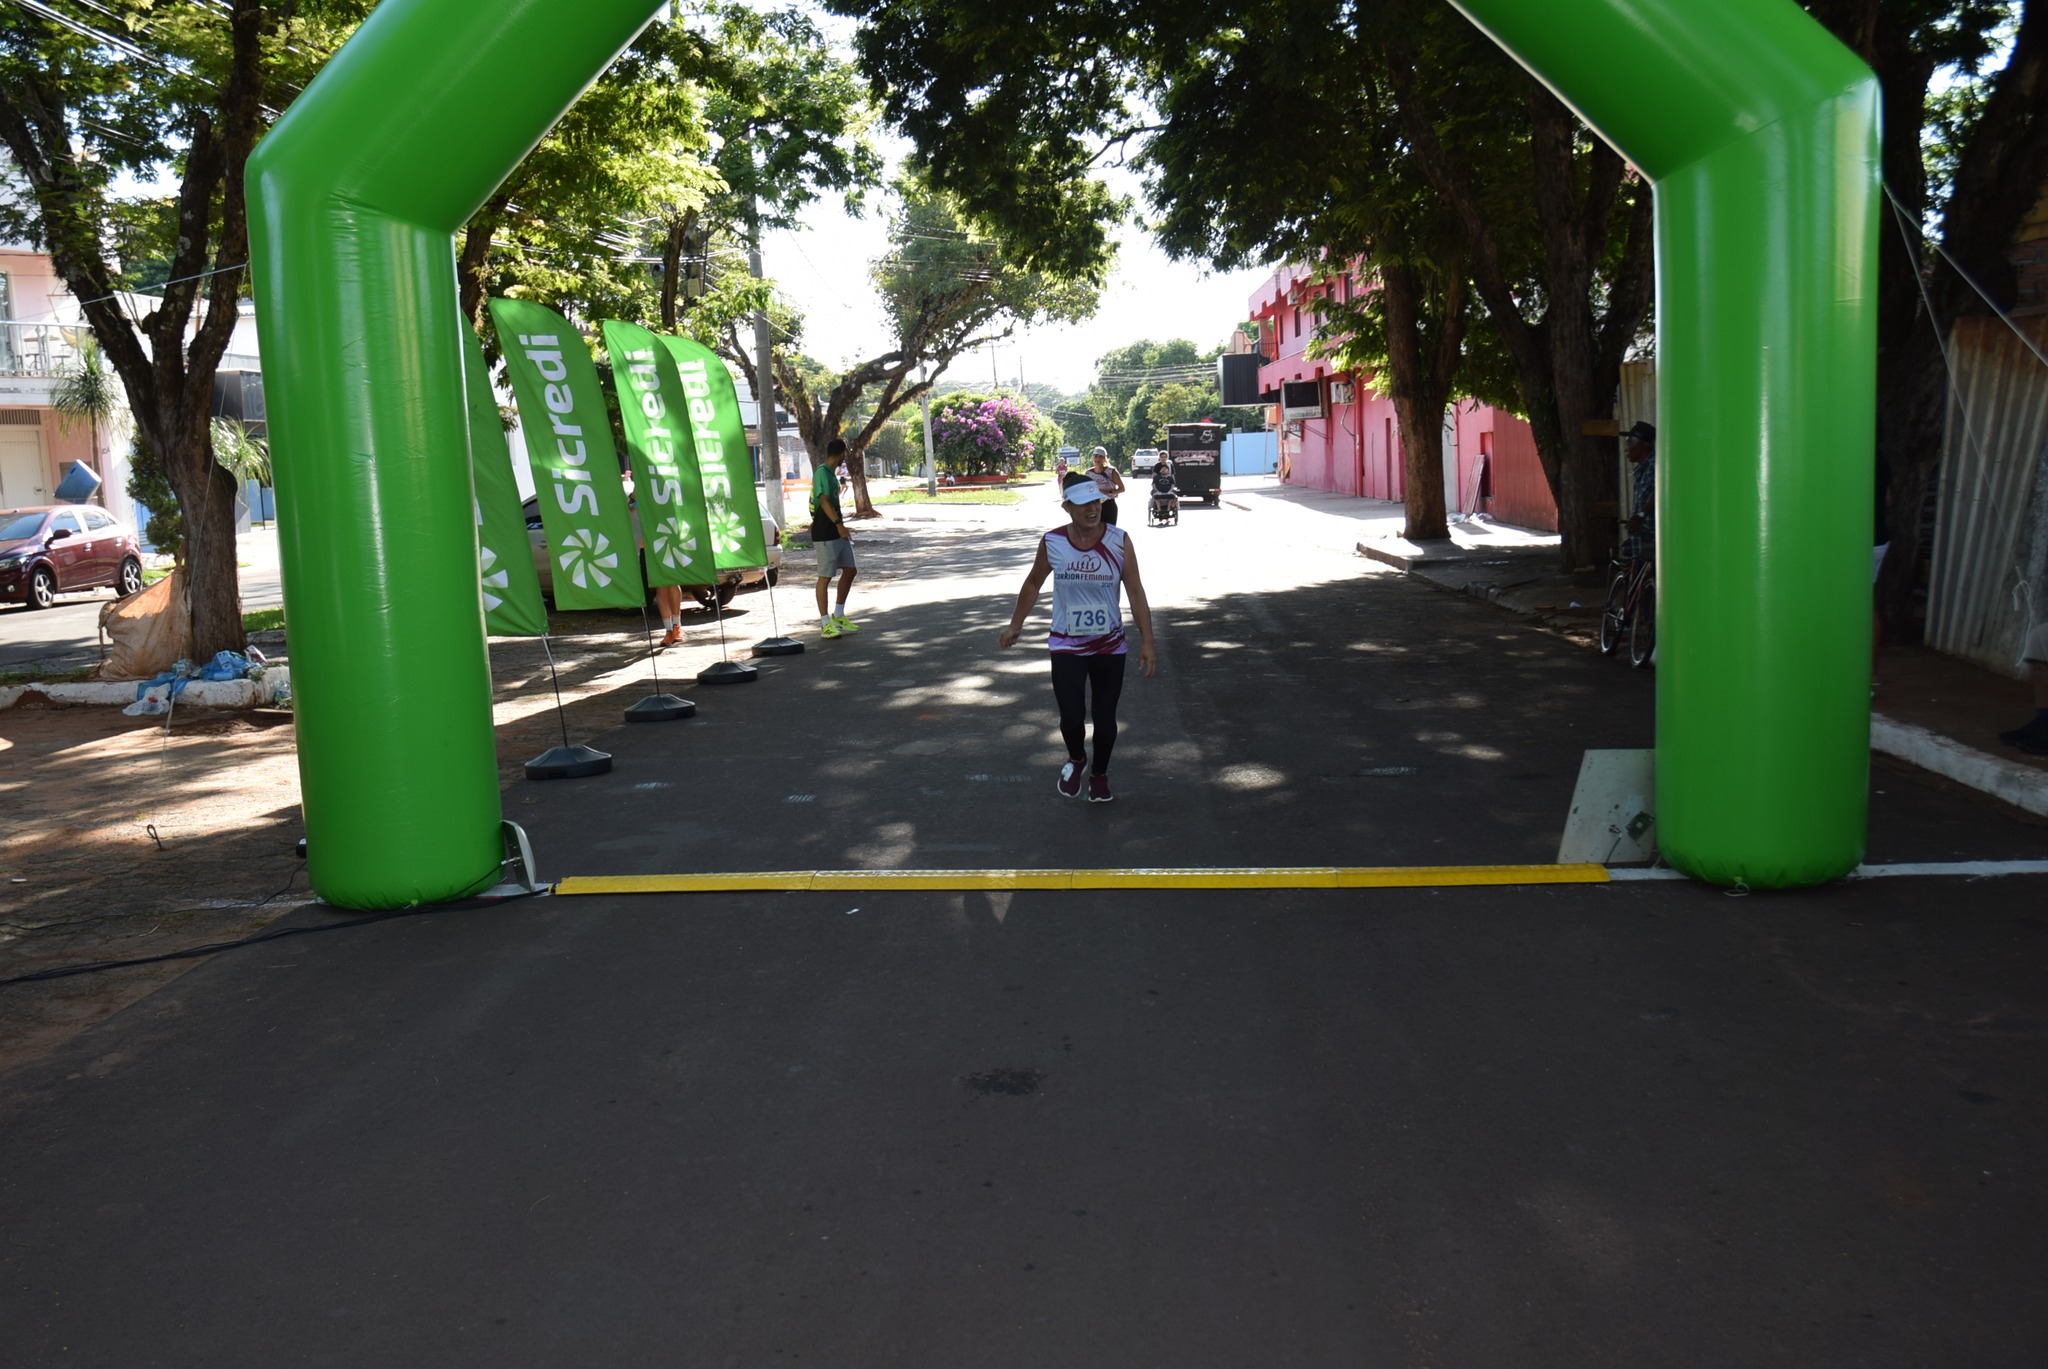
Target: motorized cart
(1196, 451)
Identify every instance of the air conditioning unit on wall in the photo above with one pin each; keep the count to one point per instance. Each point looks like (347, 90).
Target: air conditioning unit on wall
(1301, 399)
(1342, 392)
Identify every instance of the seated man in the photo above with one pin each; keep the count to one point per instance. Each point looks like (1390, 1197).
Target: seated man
(1163, 491)
(2033, 737)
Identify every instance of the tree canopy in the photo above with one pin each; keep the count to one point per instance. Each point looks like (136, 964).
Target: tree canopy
(1273, 130)
(712, 124)
(946, 288)
(1138, 389)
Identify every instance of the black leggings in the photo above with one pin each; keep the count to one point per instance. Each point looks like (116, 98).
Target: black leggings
(1072, 677)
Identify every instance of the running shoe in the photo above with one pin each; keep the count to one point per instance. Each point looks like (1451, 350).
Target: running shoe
(2033, 738)
(672, 636)
(1098, 789)
(844, 623)
(830, 629)
(1070, 779)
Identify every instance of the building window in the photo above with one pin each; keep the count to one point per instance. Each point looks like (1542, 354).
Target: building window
(6, 325)
(1297, 320)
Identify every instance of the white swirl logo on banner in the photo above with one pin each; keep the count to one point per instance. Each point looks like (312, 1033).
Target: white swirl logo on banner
(586, 553)
(671, 544)
(494, 579)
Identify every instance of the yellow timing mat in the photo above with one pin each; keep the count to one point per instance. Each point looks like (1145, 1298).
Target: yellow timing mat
(1275, 877)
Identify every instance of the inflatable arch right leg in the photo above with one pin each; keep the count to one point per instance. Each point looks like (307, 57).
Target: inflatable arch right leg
(1758, 130)
(1760, 133)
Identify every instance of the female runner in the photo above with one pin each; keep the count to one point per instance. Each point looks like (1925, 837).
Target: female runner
(1089, 561)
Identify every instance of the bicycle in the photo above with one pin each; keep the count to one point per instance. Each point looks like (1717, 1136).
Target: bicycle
(1631, 610)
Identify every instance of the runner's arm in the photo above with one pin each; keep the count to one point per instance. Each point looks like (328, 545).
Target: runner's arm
(1034, 580)
(1141, 611)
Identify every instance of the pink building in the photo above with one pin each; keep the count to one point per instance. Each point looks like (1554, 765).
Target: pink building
(1353, 444)
(40, 332)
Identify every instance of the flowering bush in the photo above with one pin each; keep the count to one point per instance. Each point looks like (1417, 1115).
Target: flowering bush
(978, 436)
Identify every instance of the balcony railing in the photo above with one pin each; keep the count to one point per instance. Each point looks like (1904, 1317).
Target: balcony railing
(36, 349)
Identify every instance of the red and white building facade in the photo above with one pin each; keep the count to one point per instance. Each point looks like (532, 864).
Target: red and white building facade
(41, 330)
(1489, 456)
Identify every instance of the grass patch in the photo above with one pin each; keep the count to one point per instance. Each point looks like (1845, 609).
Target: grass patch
(152, 574)
(76, 675)
(263, 620)
(953, 497)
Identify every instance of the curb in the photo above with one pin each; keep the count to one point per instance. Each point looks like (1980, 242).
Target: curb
(1431, 572)
(2022, 786)
(121, 693)
(1405, 555)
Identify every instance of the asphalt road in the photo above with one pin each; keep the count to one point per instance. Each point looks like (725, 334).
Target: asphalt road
(1643, 1124)
(66, 635)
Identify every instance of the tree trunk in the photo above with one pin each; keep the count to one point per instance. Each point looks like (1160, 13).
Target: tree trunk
(1420, 390)
(473, 256)
(206, 495)
(1585, 534)
(856, 468)
(1565, 368)
(672, 292)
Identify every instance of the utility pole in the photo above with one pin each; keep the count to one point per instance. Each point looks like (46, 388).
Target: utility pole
(931, 467)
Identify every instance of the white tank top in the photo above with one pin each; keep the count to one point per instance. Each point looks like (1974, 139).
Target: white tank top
(1087, 587)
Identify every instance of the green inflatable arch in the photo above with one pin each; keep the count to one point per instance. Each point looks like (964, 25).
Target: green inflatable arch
(1758, 130)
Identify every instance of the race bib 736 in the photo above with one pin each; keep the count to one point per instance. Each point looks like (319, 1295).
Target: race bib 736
(1092, 620)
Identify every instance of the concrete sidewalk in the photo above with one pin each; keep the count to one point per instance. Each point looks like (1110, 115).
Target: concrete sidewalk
(1930, 710)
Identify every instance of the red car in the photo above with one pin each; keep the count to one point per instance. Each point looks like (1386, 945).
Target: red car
(53, 550)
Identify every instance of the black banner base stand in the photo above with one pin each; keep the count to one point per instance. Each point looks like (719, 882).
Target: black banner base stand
(660, 708)
(568, 763)
(778, 645)
(727, 673)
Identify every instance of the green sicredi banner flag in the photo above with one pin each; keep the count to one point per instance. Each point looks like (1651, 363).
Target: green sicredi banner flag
(670, 497)
(512, 606)
(593, 554)
(720, 439)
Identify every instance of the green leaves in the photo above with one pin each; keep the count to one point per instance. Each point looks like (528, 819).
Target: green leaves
(708, 119)
(239, 452)
(87, 392)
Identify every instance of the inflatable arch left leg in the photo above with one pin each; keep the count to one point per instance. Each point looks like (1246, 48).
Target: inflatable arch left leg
(355, 197)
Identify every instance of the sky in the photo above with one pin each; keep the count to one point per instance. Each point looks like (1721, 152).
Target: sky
(822, 268)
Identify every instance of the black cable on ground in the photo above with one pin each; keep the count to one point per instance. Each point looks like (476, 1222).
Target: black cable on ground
(194, 952)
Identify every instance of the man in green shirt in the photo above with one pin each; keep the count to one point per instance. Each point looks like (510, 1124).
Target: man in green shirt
(832, 540)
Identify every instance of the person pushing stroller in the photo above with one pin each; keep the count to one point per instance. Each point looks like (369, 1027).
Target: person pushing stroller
(1165, 495)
